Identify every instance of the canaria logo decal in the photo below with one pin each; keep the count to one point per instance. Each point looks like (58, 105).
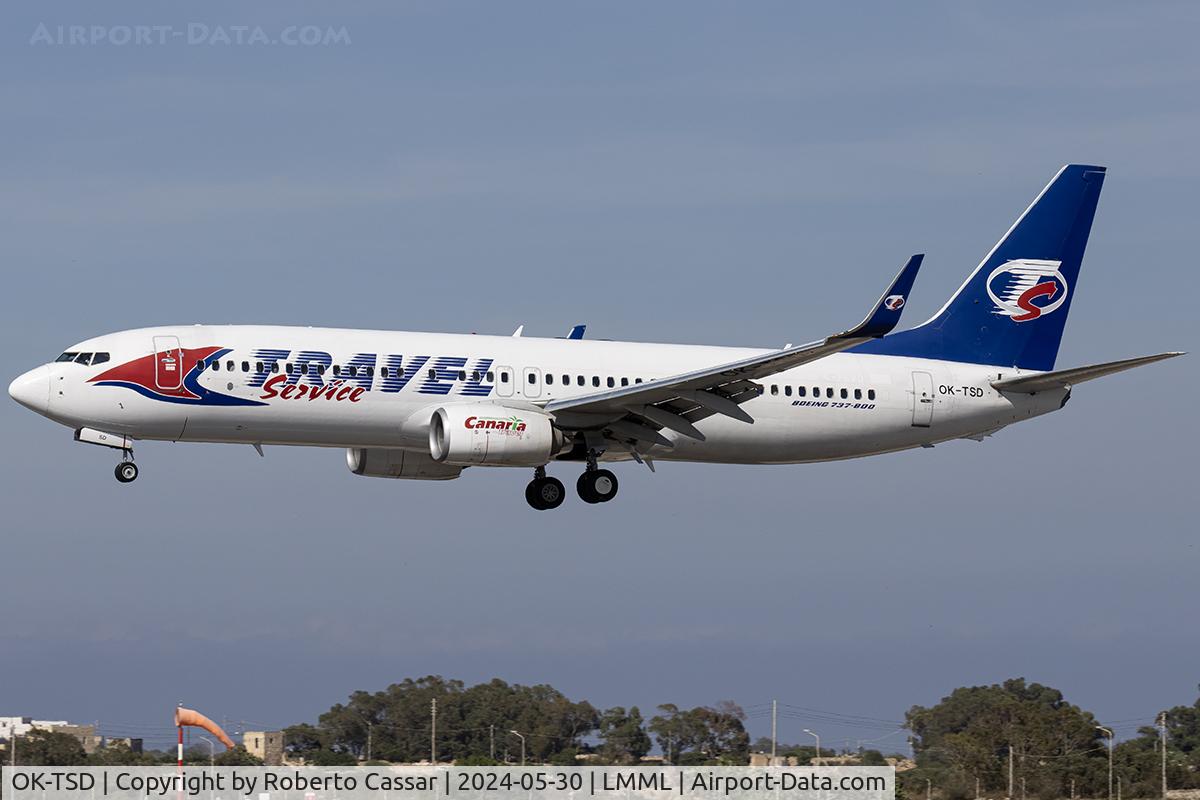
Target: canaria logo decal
(894, 302)
(1014, 286)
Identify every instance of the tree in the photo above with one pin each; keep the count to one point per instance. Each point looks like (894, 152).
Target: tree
(624, 738)
(967, 736)
(42, 748)
(237, 757)
(702, 735)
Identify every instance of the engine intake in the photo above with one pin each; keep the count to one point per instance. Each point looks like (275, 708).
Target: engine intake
(492, 435)
(376, 462)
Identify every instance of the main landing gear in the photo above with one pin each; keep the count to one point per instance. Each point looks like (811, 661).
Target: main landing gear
(594, 486)
(544, 493)
(126, 471)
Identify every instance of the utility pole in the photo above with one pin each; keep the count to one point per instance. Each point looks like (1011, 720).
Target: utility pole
(774, 728)
(1162, 737)
(492, 742)
(1072, 789)
(976, 787)
(1118, 789)
(928, 789)
(1023, 795)
(433, 731)
(370, 735)
(1010, 772)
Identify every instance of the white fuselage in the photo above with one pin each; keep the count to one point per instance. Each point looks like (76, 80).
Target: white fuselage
(388, 384)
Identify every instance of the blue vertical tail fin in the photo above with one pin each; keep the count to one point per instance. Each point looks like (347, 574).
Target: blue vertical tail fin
(1012, 309)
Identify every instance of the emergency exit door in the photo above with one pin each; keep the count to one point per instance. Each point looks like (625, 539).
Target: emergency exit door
(168, 362)
(922, 399)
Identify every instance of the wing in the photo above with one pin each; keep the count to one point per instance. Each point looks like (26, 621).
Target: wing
(1066, 378)
(635, 415)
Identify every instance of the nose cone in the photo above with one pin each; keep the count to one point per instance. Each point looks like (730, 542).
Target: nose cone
(32, 389)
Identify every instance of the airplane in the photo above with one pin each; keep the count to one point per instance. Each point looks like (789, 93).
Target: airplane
(425, 406)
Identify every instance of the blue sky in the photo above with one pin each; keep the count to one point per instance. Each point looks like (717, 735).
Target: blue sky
(707, 172)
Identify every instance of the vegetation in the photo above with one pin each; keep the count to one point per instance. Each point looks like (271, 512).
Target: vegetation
(961, 743)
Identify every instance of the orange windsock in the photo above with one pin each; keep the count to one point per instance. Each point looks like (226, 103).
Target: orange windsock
(186, 716)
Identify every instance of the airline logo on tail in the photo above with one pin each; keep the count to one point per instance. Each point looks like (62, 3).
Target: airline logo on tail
(894, 302)
(1027, 288)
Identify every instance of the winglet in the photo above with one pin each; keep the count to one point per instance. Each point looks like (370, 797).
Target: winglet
(886, 314)
(577, 332)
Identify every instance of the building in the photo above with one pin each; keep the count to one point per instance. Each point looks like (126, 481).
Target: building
(266, 745)
(134, 745)
(766, 760)
(21, 726)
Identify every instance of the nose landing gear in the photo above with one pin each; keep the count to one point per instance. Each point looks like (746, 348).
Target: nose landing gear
(126, 472)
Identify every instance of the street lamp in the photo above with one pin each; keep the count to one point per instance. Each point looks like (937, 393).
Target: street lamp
(212, 759)
(522, 738)
(1108, 732)
(818, 738)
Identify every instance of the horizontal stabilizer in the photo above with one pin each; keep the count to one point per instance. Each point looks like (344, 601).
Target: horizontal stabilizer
(1066, 378)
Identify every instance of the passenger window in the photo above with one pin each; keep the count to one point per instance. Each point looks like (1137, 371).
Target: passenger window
(432, 374)
(595, 380)
(829, 392)
(258, 367)
(637, 380)
(274, 366)
(611, 383)
(67, 357)
(352, 371)
(504, 377)
(200, 366)
(549, 379)
(532, 379)
(787, 390)
(858, 394)
(217, 366)
(383, 371)
(816, 391)
(370, 372)
(99, 358)
(870, 394)
(229, 366)
(320, 369)
(337, 370)
(774, 389)
(245, 366)
(462, 375)
(475, 376)
(800, 390)
(579, 380)
(624, 381)
(491, 376)
(845, 394)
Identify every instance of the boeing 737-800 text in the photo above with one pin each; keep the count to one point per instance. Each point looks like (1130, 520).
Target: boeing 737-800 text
(426, 405)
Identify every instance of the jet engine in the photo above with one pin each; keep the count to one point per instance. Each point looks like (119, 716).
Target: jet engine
(492, 435)
(376, 462)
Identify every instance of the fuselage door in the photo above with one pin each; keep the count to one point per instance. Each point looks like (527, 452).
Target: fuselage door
(168, 362)
(532, 385)
(922, 399)
(504, 381)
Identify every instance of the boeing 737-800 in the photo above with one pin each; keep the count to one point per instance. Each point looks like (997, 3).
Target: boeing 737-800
(427, 405)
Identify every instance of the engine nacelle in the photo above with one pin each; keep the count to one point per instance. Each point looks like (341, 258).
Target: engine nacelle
(377, 462)
(493, 435)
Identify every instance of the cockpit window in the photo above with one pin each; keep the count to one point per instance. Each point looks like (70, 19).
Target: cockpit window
(83, 358)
